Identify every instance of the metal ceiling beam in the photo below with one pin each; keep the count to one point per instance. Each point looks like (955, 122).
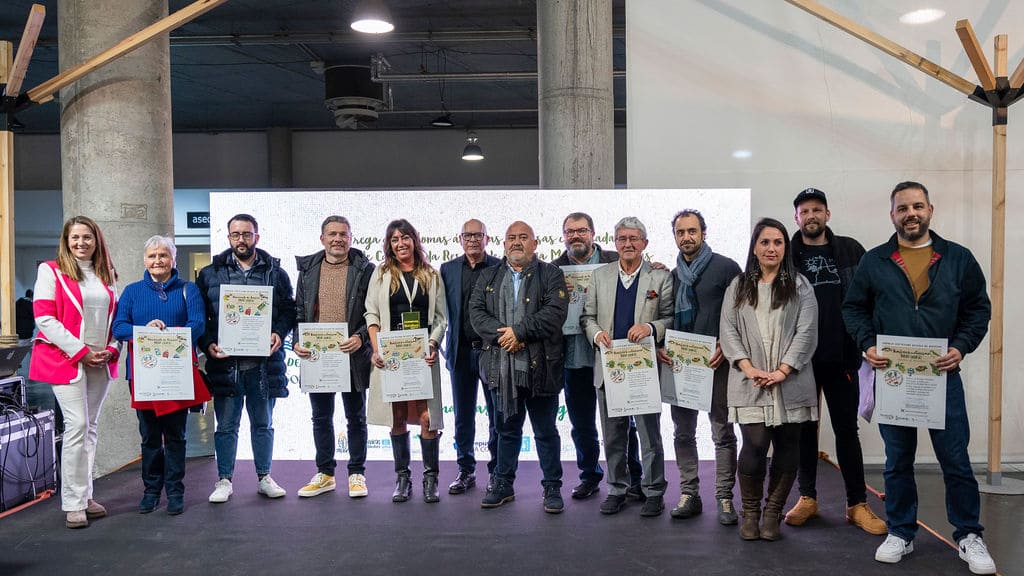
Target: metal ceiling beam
(468, 76)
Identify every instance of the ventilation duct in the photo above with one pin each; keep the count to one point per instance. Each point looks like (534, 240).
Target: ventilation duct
(352, 96)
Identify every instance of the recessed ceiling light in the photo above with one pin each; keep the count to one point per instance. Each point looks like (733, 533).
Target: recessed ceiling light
(742, 154)
(372, 17)
(922, 16)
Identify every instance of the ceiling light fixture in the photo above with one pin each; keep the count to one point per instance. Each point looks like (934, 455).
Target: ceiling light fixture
(372, 17)
(742, 154)
(443, 121)
(922, 16)
(472, 151)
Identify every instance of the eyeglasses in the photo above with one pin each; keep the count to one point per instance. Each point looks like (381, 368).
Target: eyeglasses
(576, 232)
(628, 239)
(472, 235)
(241, 235)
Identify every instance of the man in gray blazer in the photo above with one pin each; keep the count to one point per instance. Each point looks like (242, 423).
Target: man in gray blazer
(631, 300)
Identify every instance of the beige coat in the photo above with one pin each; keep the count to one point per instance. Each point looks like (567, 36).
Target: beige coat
(378, 311)
(654, 305)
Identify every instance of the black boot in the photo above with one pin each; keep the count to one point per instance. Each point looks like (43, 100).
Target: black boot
(751, 492)
(779, 486)
(430, 448)
(400, 450)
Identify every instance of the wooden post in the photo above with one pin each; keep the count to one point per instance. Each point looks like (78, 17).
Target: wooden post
(995, 354)
(9, 336)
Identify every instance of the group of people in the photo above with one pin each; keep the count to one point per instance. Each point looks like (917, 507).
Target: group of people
(793, 323)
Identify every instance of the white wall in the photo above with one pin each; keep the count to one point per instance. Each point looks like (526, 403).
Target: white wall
(817, 107)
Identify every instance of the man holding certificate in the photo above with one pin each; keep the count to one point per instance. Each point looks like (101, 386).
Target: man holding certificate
(244, 288)
(581, 257)
(331, 288)
(699, 282)
(920, 285)
(518, 308)
(630, 301)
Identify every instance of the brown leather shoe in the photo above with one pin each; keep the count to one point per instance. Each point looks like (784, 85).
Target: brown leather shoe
(861, 516)
(76, 519)
(95, 510)
(805, 509)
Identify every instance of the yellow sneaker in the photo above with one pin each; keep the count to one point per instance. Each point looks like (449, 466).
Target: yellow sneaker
(317, 485)
(357, 486)
(861, 516)
(805, 509)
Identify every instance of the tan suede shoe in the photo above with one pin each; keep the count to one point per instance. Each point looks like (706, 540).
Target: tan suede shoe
(862, 517)
(805, 509)
(76, 519)
(95, 510)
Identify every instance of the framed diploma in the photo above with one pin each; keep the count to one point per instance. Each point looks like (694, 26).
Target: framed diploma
(911, 390)
(577, 280)
(327, 368)
(689, 380)
(246, 315)
(162, 364)
(631, 384)
(406, 375)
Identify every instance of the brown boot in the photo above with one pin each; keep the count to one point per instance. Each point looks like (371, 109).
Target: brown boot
(779, 486)
(804, 509)
(751, 492)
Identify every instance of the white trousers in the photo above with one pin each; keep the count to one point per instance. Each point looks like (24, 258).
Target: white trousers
(80, 403)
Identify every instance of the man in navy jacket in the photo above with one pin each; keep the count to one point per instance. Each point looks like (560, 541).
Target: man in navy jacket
(920, 285)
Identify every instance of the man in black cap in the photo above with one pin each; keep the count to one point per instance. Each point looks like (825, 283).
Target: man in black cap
(829, 262)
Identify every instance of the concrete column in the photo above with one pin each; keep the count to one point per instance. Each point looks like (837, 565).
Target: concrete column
(116, 159)
(574, 90)
(279, 156)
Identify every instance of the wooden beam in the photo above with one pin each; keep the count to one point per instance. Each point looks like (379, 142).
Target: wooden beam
(975, 55)
(28, 43)
(1017, 80)
(6, 215)
(885, 45)
(1000, 56)
(187, 14)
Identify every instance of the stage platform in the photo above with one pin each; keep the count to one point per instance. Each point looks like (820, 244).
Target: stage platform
(333, 534)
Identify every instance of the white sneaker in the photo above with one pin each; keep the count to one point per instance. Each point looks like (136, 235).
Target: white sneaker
(357, 486)
(975, 553)
(269, 488)
(893, 549)
(222, 490)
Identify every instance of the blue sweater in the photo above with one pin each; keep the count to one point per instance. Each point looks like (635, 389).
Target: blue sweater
(140, 302)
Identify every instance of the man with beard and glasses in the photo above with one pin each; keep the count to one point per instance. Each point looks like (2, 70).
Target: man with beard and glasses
(518, 308)
(921, 285)
(699, 282)
(580, 394)
(829, 262)
(252, 382)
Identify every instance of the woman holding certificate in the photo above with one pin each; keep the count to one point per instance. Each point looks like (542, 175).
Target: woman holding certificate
(162, 301)
(74, 305)
(769, 330)
(406, 319)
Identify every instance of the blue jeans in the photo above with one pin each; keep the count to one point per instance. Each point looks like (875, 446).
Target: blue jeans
(465, 383)
(963, 502)
(354, 403)
(543, 412)
(163, 451)
(228, 410)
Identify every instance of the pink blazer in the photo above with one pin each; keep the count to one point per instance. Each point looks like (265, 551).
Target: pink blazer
(50, 363)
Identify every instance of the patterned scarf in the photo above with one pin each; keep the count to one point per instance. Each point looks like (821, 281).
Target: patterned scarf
(513, 368)
(686, 299)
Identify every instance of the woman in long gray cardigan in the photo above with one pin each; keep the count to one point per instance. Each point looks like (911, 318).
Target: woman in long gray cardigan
(405, 292)
(769, 330)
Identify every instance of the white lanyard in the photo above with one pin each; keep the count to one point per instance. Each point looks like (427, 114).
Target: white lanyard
(405, 287)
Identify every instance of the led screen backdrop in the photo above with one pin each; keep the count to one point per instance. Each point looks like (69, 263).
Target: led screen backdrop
(290, 225)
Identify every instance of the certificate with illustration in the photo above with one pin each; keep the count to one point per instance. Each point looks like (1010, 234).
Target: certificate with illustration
(162, 364)
(577, 279)
(689, 380)
(245, 319)
(406, 375)
(631, 383)
(326, 369)
(911, 390)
